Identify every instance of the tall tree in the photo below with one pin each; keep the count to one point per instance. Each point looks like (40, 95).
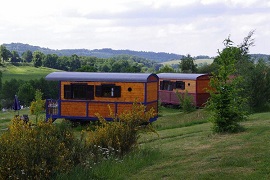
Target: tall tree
(227, 106)
(50, 61)
(187, 64)
(27, 56)
(38, 58)
(4, 53)
(15, 57)
(26, 93)
(166, 69)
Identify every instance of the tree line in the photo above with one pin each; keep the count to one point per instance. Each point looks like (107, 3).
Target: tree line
(254, 72)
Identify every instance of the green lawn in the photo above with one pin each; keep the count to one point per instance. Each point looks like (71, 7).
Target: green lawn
(194, 152)
(24, 72)
(186, 148)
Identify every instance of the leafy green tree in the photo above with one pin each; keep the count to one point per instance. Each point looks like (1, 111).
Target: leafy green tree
(75, 63)
(27, 56)
(15, 57)
(105, 68)
(26, 93)
(87, 68)
(207, 68)
(187, 64)
(257, 86)
(38, 58)
(9, 89)
(4, 53)
(50, 61)
(37, 106)
(227, 106)
(166, 69)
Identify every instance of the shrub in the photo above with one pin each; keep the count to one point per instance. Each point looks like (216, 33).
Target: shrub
(123, 132)
(36, 152)
(186, 102)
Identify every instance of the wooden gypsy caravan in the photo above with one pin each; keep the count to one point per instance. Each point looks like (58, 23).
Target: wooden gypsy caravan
(83, 94)
(195, 84)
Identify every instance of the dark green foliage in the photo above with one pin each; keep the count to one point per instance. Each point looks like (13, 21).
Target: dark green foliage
(87, 68)
(12, 87)
(166, 69)
(15, 57)
(37, 58)
(207, 68)
(187, 65)
(226, 105)
(257, 86)
(4, 53)
(26, 93)
(27, 56)
(186, 102)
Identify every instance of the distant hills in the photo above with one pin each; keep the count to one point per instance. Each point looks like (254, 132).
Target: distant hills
(100, 53)
(108, 53)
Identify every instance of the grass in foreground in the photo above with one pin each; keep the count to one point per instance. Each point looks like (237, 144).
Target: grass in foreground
(187, 150)
(194, 152)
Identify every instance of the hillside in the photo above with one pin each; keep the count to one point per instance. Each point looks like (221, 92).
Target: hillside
(24, 72)
(100, 53)
(197, 61)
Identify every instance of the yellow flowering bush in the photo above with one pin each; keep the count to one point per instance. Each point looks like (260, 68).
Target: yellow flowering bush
(122, 133)
(36, 152)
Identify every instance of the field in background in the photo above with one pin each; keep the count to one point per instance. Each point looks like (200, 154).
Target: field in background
(24, 72)
(199, 62)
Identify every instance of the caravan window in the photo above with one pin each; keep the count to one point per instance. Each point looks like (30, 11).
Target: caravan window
(108, 90)
(78, 91)
(166, 85)
(180, 85)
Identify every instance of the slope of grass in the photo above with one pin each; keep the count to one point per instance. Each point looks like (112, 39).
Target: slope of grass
(195, 153)
(24, 72)
(186, 148)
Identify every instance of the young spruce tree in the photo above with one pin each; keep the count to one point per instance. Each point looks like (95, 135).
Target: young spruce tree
(225, 103)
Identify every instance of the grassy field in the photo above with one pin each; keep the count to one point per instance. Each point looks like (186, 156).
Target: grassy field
(24, 72)
(186, 148)
(199, 62)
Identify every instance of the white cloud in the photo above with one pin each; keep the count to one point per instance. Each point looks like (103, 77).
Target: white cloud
(189, 26)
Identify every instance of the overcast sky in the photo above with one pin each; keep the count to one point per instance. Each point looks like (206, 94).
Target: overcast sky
(196, 27)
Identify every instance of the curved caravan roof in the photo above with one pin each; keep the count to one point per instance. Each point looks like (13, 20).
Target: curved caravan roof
(101, 77)
(187, 76)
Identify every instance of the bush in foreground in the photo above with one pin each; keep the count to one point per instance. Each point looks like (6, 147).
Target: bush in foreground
(36, 152)
(123, 132)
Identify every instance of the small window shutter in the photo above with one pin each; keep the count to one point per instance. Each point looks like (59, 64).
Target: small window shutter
(67, 91)
(90, 92)
(98, 91)
(117, 91)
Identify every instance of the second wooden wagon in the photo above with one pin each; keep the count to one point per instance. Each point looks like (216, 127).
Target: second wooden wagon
(195, 84)
(83, 94)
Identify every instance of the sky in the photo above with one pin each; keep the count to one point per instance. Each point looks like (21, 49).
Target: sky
(195, 27)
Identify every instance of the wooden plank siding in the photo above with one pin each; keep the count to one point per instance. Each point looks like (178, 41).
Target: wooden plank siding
(84, 95)
(130, 92)
(195, 84)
